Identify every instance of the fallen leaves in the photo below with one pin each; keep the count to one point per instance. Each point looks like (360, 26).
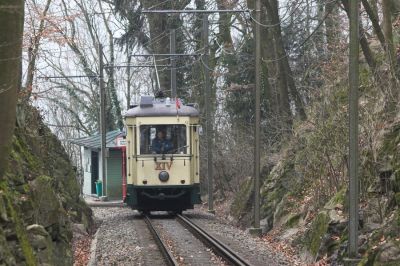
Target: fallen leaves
(81, 248)
(282, 247)
(321, 262)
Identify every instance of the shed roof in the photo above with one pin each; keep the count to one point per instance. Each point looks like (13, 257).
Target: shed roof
(94, 142)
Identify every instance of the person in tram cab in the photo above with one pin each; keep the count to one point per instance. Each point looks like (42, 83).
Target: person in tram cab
(161, 144)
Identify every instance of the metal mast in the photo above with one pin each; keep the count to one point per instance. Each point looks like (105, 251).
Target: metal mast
(256, 230)
(209, 125)
(353, 128)
(102, 120)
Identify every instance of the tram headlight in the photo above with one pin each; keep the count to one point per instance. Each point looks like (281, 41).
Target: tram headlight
(163, 176)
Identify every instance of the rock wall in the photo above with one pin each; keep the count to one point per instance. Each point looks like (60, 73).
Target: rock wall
(39, 198)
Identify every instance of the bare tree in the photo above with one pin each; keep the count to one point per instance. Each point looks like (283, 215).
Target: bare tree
(34, 36)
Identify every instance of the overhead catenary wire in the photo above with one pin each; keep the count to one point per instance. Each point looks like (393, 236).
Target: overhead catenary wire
(158, 4)
(139, 66)
(151, 55)
(206, 65)
(67, 76)
(158, 60)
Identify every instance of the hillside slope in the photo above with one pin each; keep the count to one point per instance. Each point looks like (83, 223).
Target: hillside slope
(304, 197)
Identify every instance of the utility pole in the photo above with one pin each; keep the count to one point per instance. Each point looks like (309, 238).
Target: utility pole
(256, 230)
(128, 81)
(209, 125)
(172, 49)
(102, 120)
(353, 130)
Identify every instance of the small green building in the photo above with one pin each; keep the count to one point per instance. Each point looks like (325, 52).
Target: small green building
(115, 181)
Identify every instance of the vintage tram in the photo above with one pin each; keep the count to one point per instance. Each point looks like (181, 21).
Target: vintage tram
(162, 155)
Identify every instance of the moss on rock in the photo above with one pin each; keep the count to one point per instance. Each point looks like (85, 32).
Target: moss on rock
(397, 198)
(338, 199)
(240, 204)
(39, 191)
(293, 220)
(15, 225)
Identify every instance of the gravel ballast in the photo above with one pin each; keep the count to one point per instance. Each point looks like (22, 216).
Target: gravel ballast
(124, 239)
(251, 248)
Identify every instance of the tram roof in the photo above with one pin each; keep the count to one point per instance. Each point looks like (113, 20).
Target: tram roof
(150, 107)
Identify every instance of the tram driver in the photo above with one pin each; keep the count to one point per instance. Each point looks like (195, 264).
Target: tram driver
(161, 144)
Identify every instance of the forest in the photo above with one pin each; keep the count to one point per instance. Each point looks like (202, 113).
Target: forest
(49, 69)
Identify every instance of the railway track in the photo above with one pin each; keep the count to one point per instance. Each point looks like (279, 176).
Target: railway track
(168, 257)
(211, 242)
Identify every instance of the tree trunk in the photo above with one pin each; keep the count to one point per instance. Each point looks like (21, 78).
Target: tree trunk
(115, 104)
(369, 57)
(224, 22)
(269, 70)
(319, 34)
(159, 25)
(332, 25)
(373, 16)
(388, 32)
(286, 75)
(395, 8)
(11, 28)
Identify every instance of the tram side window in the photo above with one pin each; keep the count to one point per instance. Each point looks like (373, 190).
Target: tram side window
(163, 139)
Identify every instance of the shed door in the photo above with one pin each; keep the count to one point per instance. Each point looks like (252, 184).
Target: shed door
(94, 170)
(114, 174)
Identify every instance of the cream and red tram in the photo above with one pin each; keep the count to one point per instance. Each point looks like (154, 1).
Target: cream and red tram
(162, 155)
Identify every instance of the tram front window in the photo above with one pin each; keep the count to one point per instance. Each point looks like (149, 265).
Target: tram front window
(163, 139)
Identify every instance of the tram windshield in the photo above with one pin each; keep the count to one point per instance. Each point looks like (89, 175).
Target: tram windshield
(163, 139)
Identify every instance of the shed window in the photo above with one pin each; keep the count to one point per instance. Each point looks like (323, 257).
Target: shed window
(163, 139)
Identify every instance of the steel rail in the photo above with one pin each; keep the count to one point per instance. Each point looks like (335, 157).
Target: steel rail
(169, 258)
(217, 246)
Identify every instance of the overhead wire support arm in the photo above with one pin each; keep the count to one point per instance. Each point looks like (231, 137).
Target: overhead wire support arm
(186, 11)
(65, 77)
(148, 65)
(152, 55)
